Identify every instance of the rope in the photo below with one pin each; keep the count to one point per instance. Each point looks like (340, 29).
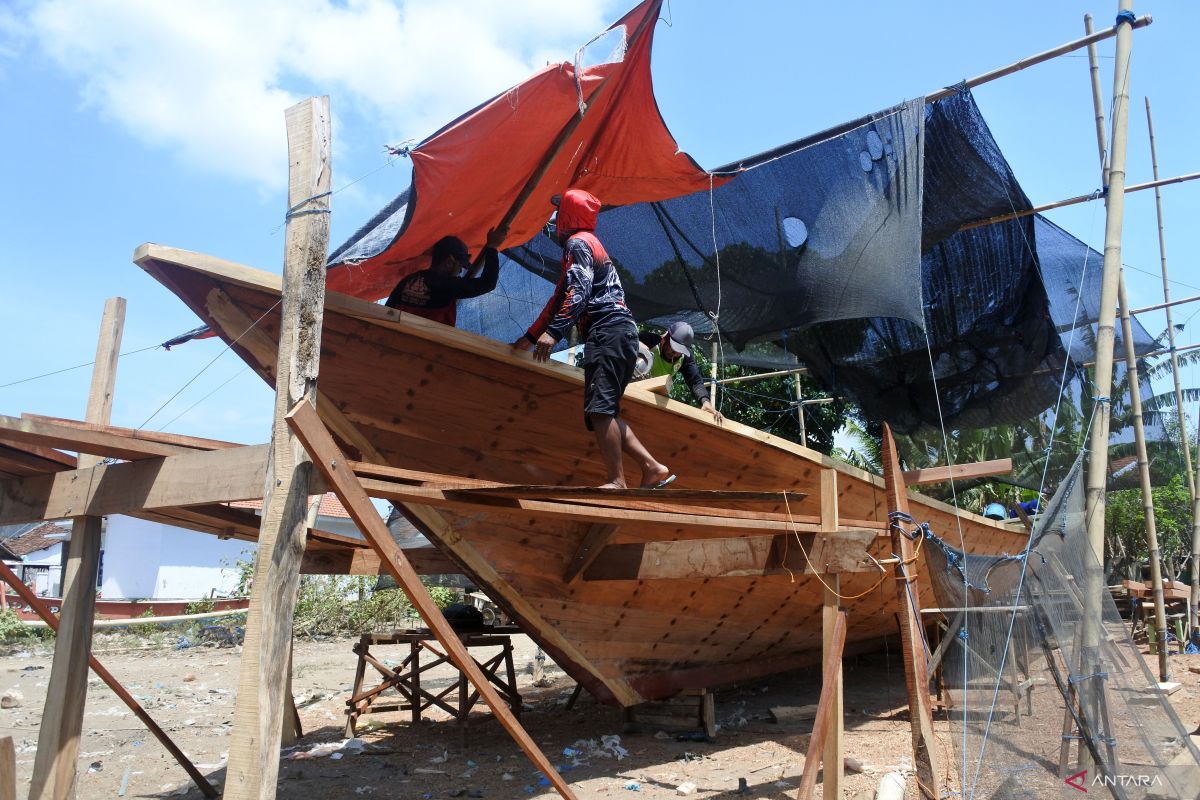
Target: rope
(817, 572)
(227, 347)
(77, 366)
(295, 211)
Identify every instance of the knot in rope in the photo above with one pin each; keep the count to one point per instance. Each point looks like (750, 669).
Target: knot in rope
(298, 210)
(1125, 16)
(404, 149)
(896, 517)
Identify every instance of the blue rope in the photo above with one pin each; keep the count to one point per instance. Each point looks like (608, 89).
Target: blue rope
(1125, 16)
(1071, 679)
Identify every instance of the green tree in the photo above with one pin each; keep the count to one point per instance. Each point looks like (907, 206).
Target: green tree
(1125, 526)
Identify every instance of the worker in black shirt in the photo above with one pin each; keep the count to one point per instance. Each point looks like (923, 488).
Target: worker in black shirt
(434, 293)
(671, 353)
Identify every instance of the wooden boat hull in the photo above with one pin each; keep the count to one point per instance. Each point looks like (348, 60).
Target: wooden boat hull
(409, 393)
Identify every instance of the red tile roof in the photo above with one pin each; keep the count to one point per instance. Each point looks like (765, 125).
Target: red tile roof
(330, 506)
(40, 538)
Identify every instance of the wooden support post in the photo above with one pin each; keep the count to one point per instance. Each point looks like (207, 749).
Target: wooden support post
(916, 677)
(66, 693)
(825, 717)
(8, 769)
(340, 476)
(831, 614)
(258, 716)
(40, 608)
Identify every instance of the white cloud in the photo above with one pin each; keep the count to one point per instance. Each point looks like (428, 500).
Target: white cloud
(211, 79)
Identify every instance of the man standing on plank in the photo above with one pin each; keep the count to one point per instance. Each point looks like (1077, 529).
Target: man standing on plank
(589, 294)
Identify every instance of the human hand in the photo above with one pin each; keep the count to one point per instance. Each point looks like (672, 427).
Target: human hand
(717, 416)
(521, 344)
(541, 351)
(496, 237)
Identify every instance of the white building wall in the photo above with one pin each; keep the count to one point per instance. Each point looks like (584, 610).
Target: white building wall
(151, 560)
(47, 583)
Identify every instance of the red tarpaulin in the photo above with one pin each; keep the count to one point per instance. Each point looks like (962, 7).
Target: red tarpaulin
(509, 156)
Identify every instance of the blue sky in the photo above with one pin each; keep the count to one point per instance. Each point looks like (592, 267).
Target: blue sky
(131, 121)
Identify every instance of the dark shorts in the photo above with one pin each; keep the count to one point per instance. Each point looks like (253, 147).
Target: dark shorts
(608, 360)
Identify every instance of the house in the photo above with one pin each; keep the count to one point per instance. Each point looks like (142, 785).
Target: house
(36, 555)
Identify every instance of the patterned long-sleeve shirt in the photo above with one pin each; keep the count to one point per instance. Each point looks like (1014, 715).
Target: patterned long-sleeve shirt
(588, 292)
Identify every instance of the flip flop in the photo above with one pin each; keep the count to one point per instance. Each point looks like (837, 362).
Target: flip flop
(665, 482)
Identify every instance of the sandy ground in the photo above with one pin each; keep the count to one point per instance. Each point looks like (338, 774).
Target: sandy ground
(190, 693)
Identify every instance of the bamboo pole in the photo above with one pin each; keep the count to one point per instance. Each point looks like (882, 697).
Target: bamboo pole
(61, 725)
(1135, 393)
(1083, 198)
(258, 716)
(1097, 474)
(1162, 253)
(1106, 326)
(1143, 464)
(1170, 304)
(1192, 603)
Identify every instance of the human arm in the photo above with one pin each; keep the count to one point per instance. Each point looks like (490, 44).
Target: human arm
(565, 305)
(695, 382)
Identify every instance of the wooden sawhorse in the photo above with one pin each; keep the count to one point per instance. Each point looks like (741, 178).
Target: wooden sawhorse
(406, 679)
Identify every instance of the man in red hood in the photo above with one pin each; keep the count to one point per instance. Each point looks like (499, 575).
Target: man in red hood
(589, 294)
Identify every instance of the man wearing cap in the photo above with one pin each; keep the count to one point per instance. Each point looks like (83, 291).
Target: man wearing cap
(671, 354)
(589, 294)
(434, 293)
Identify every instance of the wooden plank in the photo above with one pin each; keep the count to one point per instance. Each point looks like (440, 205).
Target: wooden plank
(177, 439)
(831, 754)
(332, 463)
(61, 726)
(958, 472)
(41, 608)
(655, 495)
(836, 552)
(92, 442)
(258, 717)
(660, 384)
(829, 685)
(185, 480)
(441, 498)
(916, 679)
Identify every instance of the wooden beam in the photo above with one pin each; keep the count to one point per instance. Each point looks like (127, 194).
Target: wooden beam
(40, 608)
(590, 547)
(258, 716)
(158, 437)
(92, 442)
(958, 472)
(360, 561)
(916, 678)
(578, 512)
(831, 615)
(186, 480)
(332, 463)
(836, 552)
(656, 495)
(66, 693)
(825, 705)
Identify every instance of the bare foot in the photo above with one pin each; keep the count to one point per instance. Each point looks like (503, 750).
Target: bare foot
(611, 485)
